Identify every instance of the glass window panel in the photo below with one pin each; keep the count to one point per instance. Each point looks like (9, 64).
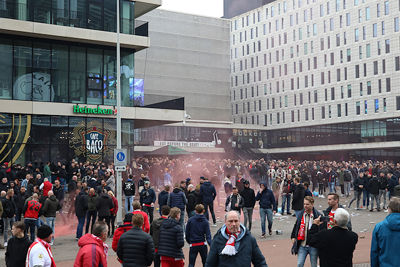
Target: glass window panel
(110, 77)
(110, 14)
(77, 13)
(128, 17)
(95, 76)
(40, 128)
(59, 73)
(22, 88)
(77, 74)
(58, 133)
(95, 14)
(42, 89)
(42, 11)
(60, 12)
(127, 78)
(6, 62)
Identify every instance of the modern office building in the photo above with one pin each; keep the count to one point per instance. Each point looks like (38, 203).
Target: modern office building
(322, 77)
(188, 57)
(233, 8)
(58, 79)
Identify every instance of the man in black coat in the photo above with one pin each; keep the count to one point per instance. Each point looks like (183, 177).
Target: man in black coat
(358, 188)
(335, 246)
(104, 204)
(233, 245)
(208, 194)
(249, 200)
(135, 247)
(18, 245)
(81, 206)
(298, 196)
(171, 240)
(373, 189)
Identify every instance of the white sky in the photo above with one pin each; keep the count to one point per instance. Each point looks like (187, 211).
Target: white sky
(211, 8)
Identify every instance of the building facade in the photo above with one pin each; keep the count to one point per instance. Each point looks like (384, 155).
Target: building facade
(58, 79)
(189, 57)
(319, 75)
(233, 8)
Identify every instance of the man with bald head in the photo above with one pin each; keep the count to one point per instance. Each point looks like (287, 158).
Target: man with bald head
(234, 241)
(49, 210)
(31, 214)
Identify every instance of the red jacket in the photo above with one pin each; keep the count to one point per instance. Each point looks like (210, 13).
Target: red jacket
(91, 252)
(146, 224)
(114, 210)
(118, 232)
(47, 186)
(32, 209)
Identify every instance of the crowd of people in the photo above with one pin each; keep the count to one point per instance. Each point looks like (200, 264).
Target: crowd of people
(168, 201)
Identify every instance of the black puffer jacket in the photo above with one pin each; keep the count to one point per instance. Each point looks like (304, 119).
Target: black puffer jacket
(171, 239)
(104, 204)
(155, 230)
(51, 206)
(298, 197)
(136, 248)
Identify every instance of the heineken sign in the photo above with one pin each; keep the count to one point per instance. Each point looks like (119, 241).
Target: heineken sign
(97, 110)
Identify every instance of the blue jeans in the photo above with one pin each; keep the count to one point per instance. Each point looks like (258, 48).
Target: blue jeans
(302, 255)
(286, 198)
(7, 223)
(332, 188)
(266, 213)
(30, 224)
(50, 222)
(211, 207)
(79, 229)
(128, 204)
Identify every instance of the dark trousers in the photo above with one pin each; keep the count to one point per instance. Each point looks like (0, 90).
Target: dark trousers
(79, 229)
(157, 261)
(112, 222)
(211, 207)
(107, 220)
(31, 225)
(342, 189)
(90, 216)
(149, 211)
(193, 254)
(365, 197)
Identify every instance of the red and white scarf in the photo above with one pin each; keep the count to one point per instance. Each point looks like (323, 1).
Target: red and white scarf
(46, 246)
(302, 230)
(229, 248)
(104, 244)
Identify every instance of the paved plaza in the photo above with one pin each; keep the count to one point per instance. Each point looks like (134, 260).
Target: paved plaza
(276, 248)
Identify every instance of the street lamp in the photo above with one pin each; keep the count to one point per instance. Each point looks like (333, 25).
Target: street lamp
(119, 176)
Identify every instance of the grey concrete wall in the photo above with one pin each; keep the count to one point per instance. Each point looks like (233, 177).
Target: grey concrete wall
(189, 56)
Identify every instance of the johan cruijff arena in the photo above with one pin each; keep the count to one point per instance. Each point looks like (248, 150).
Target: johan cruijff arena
(58, 79)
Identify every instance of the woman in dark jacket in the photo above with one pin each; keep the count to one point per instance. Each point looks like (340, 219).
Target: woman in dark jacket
(104, 204)
(171, 240)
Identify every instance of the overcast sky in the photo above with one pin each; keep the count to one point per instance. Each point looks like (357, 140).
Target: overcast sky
(211, 8)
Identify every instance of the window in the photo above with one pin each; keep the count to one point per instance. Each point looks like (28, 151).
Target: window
(348, 55)
(374, 30)
(369, 88)
(349, 90)
(361, 89)
(323, 112)
(376, 105)
(387, 46)
(368, 50)
(358, 111)
(384, 105)
(339, 110)
(346, 110)
(397, 63)
(330, 111)
(306, 114)
(386, 7)
(397, 102)
(388, 86)
(367, 14)
(379, 47)
(375, 67)
(383, 27)
(365, 107)
(396, 24)
(357, 69)
(356, 35)
(347, 19)
(332, 93)
(378, 10)
(360, 52)
(315, 96)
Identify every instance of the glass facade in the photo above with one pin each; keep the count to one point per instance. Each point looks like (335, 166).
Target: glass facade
(51, 71)
(38, 139)
(89, 14)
